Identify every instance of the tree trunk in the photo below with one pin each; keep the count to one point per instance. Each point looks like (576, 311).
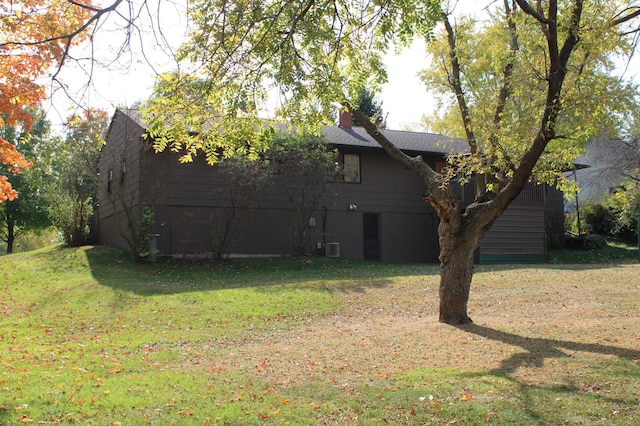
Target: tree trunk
(456, 272)
(10, 236)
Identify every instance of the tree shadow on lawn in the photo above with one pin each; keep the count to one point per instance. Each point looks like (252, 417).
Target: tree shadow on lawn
(537, 350)
(115, 269)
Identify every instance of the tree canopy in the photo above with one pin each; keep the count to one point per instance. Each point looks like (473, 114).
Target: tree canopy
(74, 193)
(372, 107)
(495, 93)
(35, 37)
(312, 57)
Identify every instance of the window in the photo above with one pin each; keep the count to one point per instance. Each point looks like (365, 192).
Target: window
(441, 166)
(124, 171)
(351, 166)
(347, 168)
(109, 180)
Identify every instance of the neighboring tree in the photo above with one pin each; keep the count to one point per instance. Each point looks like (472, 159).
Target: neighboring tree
(246, 182)
(527, 89)
(306, 164)
(545, 80)
(371, 107)
(35, 36)
(28, 213)
(75, 196)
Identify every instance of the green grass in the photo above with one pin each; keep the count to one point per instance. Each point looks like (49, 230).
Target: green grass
(89, 337)
(614, 252)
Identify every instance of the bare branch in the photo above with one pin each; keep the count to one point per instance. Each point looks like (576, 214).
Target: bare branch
(529, 10)
(622, 18)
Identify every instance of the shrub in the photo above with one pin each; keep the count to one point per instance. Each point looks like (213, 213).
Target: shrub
(598, 219)
(587, 242)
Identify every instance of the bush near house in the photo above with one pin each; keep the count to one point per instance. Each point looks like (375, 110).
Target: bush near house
(616, 216)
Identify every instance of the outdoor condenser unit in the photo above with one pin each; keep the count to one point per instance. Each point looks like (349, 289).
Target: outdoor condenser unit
(332, 250)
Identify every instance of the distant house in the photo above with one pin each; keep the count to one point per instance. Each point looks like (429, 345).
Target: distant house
(600, 172)
(376, 212)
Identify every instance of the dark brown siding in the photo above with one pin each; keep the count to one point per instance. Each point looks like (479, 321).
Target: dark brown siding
(187, 230)
(184, 200)
(407, 225)
(409, 237)
(385, 186)
(121, 156)
(519, 234)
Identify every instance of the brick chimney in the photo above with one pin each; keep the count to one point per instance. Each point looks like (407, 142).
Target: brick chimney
(345, 119)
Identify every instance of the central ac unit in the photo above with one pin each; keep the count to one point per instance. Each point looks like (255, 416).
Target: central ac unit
(332, 250)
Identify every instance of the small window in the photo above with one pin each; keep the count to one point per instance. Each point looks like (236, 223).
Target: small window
(123, 171)
(347, 168)
(351, 168)
(109, 180)
(441, 166)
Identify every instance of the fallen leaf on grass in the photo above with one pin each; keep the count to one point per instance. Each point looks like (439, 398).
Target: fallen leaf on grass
(465, 396)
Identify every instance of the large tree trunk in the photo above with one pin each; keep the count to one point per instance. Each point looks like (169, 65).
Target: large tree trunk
(456, 272)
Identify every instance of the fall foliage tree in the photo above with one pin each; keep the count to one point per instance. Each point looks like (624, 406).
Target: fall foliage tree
(28, 213)
(316, 55)
(35, 38)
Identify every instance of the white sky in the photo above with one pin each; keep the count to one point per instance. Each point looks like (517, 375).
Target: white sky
(404, 97)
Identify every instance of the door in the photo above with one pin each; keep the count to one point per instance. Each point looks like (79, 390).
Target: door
(371, 235)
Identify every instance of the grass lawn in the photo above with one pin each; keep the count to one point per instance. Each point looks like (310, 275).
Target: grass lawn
(88, 337)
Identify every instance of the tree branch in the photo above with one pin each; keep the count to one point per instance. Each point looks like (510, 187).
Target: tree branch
(505, 90)
(441, 198)
(555, 80)
(529, 10)
(456, 82)
(81, 28)
(626, 18)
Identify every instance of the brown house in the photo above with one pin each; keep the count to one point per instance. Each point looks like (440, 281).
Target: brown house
(374, 212)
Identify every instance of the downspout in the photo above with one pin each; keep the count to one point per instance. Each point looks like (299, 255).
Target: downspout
(323, 236)
(575, 178)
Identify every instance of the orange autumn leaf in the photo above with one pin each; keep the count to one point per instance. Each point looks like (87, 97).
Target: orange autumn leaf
(14, 163)
(6, 192)
(465, 396)
(36, 35)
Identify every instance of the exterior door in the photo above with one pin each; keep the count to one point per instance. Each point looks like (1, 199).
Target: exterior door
(371, 235)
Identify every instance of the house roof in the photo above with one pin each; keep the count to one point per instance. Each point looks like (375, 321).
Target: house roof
(404, 140)
(357, 137)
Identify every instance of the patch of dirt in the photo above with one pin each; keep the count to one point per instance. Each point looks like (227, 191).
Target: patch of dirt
(527, 322)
